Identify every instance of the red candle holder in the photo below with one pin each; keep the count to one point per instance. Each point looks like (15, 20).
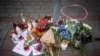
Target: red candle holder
(26, 47)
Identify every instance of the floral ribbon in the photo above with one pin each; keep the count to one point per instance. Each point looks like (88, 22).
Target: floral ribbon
(74, 5)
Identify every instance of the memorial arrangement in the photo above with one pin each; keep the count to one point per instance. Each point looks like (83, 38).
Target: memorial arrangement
(50, 37)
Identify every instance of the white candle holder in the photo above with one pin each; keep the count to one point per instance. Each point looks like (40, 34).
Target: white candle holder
(64, 46)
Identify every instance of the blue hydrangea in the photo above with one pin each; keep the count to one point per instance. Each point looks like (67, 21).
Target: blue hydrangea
(64, 34)
(61, 29)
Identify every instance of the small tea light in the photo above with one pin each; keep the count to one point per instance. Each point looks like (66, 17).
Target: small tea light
(64, 44)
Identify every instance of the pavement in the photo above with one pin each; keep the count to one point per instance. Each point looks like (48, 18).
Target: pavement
(10, 12)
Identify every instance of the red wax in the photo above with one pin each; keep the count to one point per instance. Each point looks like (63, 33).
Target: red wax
(26, 47)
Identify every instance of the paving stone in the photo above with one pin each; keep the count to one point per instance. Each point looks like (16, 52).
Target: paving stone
(7, 45)
(21, 11)
(36, 7)
(27, 7)
(3, 25)
(15, 7)
(2, 6)
(5, 53)
(39, 10)
(3, 33)
(34, 14)
(15, 54)
(67, 53)
(29, 10)
(90, 46)
(3, 36)
(93, 53)
(18, 7)
(10, 25)
(48, 10)
(4, 14)
(14, 14)
(96, 28)
(9, 6)
(11, 10)
(97, 45)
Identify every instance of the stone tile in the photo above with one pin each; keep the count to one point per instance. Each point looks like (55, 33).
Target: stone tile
(39, 10)
(3, 36)
(9, 19)
(10, 25)
(5, 53)
(97, 45)
(5, 25)
(66, 0)
(9, 6)
(2, 6)
(29, 10)
(21, 10)
(4, 14)
(65, 53)
(3, 33)
(36, 7)
(27, 6)
(77, 53)
(34, 14)
(17, 5)
(69, 53)
(48, 10)
(96, 28)
(16, 14)
(11, 10)
(7, 43)
(93, 53)
(90, 46)
(3, 9)
(15, 54)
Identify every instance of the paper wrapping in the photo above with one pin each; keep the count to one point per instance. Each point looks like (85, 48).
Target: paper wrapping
(48, 37)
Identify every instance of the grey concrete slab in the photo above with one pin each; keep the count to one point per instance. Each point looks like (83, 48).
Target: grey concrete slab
(10, 10)
(29, 10)
(10, 25)
(89, 46)
(15, 7)
(15, 14)
(4, 14)
(34, 14)
(3, 35)
(5, 53)
(7, 44)
(97, 45)
(3, 25)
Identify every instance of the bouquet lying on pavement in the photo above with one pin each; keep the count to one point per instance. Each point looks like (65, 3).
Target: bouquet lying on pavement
(50, 35)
